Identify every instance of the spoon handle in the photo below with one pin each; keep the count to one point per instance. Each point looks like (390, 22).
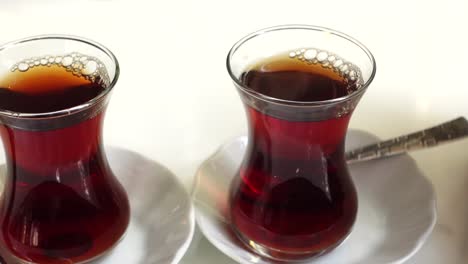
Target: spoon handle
(443, 133)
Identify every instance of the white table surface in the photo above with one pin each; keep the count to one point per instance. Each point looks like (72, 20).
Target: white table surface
(175, 103)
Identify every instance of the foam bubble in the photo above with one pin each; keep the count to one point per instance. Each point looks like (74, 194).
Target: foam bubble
(322, 56)
(23, 67)
(326, 59)
(310, 54)
(67, 61)
(344, 68)
(337, 63)
(89, 68)
(78, 64)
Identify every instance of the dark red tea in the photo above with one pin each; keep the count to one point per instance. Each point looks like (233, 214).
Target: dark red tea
(61, 202)
(294, 193)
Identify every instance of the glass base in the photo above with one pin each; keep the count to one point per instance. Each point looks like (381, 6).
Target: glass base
(281, 255)
(13, 259)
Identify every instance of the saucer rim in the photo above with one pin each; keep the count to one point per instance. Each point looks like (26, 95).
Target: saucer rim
(180, 251)
(183, 249)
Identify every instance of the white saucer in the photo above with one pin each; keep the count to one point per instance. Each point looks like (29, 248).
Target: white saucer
(162, 223)
(397, 207)
(162, 218)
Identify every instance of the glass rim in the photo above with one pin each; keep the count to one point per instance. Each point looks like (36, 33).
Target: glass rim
(244, 88)
(73, 109)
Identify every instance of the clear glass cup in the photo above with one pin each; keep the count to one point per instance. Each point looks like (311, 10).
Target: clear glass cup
(61, 202)
(293, 197)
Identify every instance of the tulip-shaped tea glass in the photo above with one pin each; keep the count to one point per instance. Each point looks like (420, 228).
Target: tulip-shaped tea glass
(293, 197)
(61, 202)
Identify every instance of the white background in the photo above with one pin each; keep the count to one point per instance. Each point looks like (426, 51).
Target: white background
(175, 103)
